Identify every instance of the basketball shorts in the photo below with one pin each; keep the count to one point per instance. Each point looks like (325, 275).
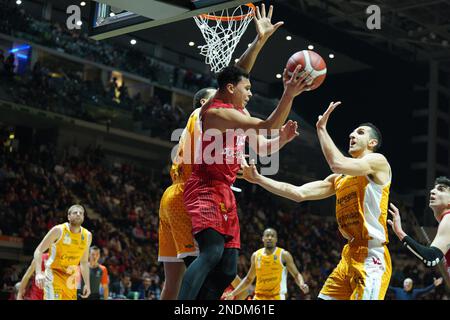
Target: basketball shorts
(175, 227)
(363, 273)
(211, 204)
(60, 285)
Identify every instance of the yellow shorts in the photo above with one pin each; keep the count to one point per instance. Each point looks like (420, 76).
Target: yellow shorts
(175, 227)
(362, 274)
(60, 285)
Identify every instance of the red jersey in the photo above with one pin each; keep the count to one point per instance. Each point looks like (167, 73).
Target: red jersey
(207, 196)
(35, 293)
(220, 154)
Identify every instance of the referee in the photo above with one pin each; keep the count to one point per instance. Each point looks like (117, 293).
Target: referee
(98, 277)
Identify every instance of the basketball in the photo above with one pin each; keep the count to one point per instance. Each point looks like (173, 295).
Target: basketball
(310, 62)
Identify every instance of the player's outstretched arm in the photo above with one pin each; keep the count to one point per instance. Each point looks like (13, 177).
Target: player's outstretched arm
(265, 147)
(431, 255)
(248, 280)
(25, 279)
(367, 165)
(292, 268)
(422, 291)
(52, 236)
(310, 191)
(223, 119)
(84, 267)
(264, 29)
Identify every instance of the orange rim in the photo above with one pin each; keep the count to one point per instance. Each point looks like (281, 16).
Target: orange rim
(233, 18)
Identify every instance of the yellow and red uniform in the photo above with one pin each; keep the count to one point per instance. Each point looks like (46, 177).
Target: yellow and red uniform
(365, 268)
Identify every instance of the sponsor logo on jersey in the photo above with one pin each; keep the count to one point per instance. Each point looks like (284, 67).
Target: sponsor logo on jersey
(67, 239)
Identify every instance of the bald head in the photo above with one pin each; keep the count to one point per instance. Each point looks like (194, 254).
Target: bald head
(408, 284)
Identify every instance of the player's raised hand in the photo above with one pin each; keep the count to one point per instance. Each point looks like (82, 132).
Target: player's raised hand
(437, 282)
(263, 23)
(295, 83)
(249, 171)
(288, 132)
(323, 119)
(396, 222)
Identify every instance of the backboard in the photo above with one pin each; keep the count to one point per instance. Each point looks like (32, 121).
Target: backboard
(110, 18)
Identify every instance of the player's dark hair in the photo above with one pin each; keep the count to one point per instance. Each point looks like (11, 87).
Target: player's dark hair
(201, 94)
(375, 133)
(442, 180)
(231, 74)
(94, 248)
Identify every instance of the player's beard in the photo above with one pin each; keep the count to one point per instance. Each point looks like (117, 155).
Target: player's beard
(76, 222)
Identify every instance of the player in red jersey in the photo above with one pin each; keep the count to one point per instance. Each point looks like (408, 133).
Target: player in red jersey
(208, 197)
(440, 204)
(176, 242)
(34, 293)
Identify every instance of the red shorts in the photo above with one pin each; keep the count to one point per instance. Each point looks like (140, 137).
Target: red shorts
(211, 204)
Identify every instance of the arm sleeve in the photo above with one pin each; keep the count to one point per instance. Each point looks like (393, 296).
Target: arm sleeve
(419, 292)
(105, 278)
(430, 256)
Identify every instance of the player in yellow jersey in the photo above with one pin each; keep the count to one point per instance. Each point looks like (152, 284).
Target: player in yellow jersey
(176, 243)
(361, 184)
(270, 265)
(68, 245)
(175, 228)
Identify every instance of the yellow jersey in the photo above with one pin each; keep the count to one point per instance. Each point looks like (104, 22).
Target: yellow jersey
(65, 254)
(271, 275)
(361, 209)
(182, 165)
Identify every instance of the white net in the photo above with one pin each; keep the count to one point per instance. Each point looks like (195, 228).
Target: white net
(222, 35)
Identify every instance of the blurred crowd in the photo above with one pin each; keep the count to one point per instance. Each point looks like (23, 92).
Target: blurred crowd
(37, 187)
(76, 42)
(68, 93)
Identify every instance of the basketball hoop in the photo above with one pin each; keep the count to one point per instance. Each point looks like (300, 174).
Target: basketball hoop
(222, 34)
